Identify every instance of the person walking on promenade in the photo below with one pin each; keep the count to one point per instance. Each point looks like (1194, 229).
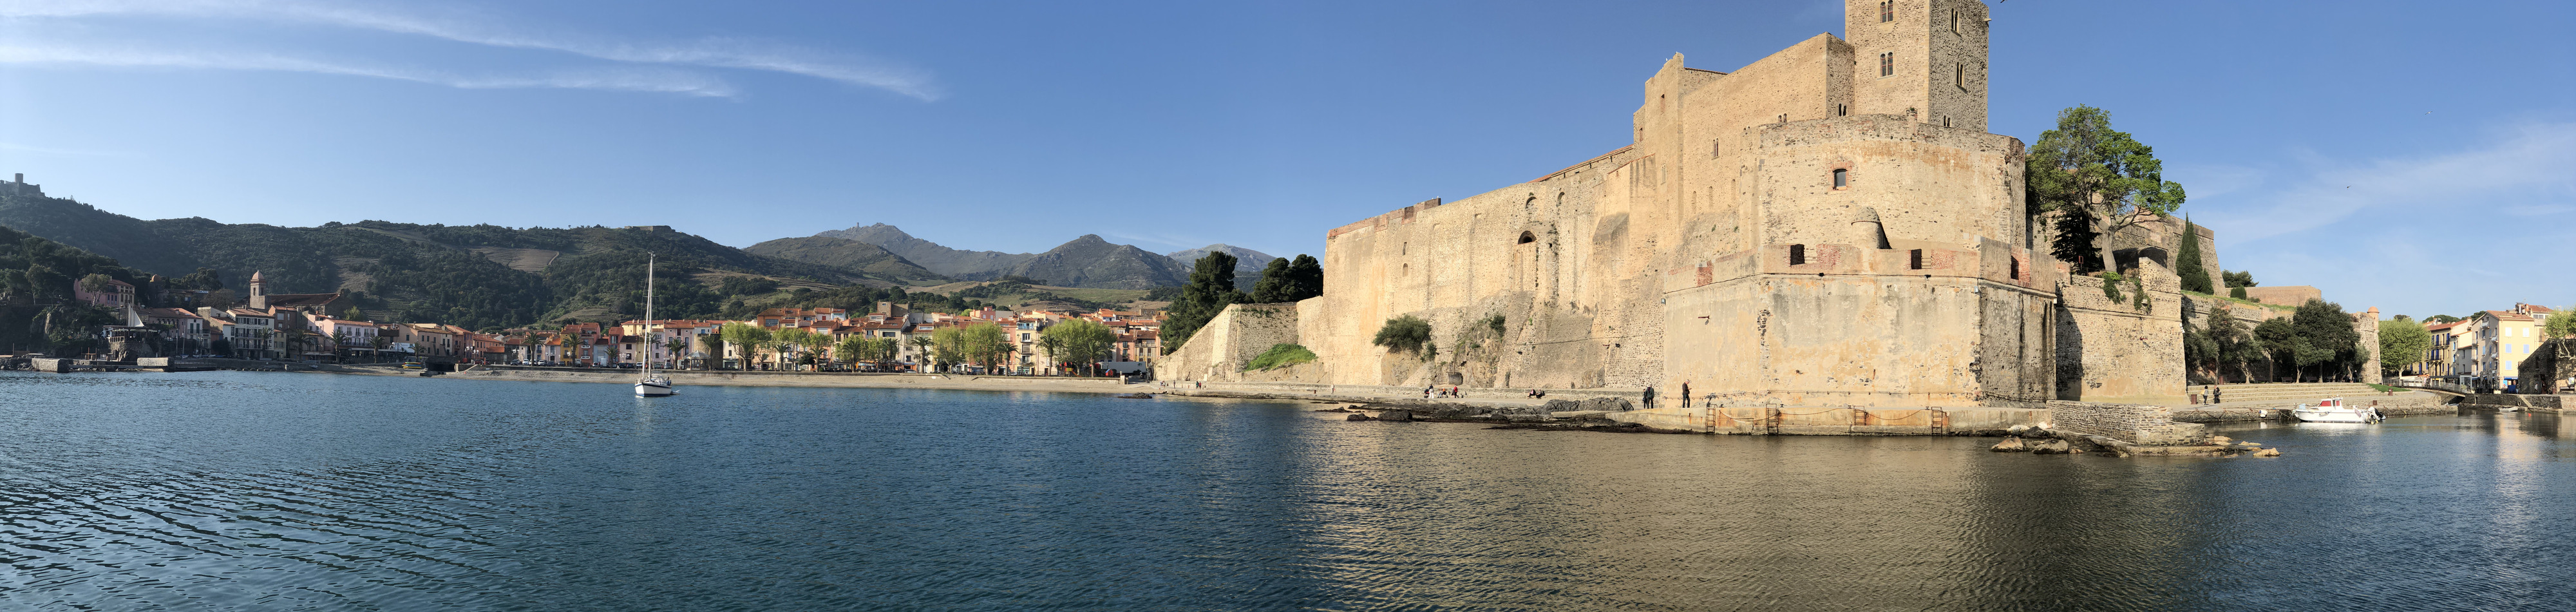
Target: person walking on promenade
(1650, 398)
(1685, 394)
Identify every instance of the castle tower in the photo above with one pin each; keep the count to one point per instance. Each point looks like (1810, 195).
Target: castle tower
(1927, 57)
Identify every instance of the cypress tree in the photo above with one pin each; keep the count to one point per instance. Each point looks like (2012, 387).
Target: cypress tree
(2195, 275)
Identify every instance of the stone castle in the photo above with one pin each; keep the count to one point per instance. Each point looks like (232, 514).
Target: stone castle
(1830, 225)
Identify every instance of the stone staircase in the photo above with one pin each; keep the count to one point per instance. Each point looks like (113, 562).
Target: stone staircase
(2284, 394)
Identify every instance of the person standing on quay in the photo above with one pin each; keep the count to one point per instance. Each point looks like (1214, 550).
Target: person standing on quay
(1650, 398)
(1685, 394)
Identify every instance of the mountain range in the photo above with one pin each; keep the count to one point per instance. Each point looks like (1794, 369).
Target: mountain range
(476, 276)
(1087, 261)
(487, 276)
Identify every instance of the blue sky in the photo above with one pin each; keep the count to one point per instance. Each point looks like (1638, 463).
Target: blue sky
(2415, 157)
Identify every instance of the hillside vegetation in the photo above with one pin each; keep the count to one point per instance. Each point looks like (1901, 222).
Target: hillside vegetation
(848, 256)
(478, 276)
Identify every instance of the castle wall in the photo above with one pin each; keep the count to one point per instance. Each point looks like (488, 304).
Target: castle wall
(2115, 351)
(2286, 295)
(1581, 278)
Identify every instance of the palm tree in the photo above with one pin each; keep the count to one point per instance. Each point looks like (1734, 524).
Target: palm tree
(1053, 346)
(712, 344)
(677, 345)
(921, 346)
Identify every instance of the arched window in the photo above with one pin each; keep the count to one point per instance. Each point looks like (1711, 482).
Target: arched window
(1842, 178)
(1527, 237)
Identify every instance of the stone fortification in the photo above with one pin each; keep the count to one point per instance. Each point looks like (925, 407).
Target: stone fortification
(2121, 350)
(1818, 227)
(1220, 350)
(2286, 295)
(2136, 423)
(1828, 226)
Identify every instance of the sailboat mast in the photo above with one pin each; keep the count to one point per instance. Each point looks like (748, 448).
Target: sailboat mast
(652, 337)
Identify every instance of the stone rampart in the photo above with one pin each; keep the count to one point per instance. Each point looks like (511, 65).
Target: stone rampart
(1222, 348)
(1742, 420)
(2492, 400)
(2134, 423)
(2286, 295)
(2121, 351)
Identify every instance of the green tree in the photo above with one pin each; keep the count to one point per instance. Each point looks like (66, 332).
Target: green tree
(95, 283)
(1307, 277)
(1274, 286)
(2402, 342)
(2187, 260)
(746, 337)
(2326, 337)
(2232, 343)
(354, 314)
(1082, 341)
(1289, 280)
(985, 344)
(947, 348)
(1408, 334)
(2086, 168)
(1211, 288)
(2279, 339)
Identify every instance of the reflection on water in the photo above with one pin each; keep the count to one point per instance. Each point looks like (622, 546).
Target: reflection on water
(217, 491)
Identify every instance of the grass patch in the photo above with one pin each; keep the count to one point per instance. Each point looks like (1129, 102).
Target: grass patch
(2387, 389)
(1280, 356)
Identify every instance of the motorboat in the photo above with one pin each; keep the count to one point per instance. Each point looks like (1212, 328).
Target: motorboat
(648, 384)
(2333, 410)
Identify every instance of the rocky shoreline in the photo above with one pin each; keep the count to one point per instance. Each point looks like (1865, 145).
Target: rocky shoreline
(2042, 441)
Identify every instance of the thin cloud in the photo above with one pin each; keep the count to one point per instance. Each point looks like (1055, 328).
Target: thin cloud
(619, 79)
(713, 52)
(11, 146)
(2523, 172)
(2539, 210)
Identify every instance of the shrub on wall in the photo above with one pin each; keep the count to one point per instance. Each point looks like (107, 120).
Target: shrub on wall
(1407, 333)
(1280, 356)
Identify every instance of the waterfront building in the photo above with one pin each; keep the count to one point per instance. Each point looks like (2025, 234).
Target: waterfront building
(249, 333)
(117, 294)
(2503, 340)
(186, 331)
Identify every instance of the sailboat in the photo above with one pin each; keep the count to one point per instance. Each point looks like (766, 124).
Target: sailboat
(647, 384)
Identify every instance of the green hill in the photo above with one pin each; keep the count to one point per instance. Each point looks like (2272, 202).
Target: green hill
(478, 276)
(37, 310)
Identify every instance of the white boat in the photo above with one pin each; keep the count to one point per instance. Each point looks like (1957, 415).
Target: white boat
(647, 384)
(2333, 410)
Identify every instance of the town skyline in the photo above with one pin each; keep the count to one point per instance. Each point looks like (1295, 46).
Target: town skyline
(2301, 166)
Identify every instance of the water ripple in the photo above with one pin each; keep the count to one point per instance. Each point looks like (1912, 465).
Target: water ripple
(244, 491)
